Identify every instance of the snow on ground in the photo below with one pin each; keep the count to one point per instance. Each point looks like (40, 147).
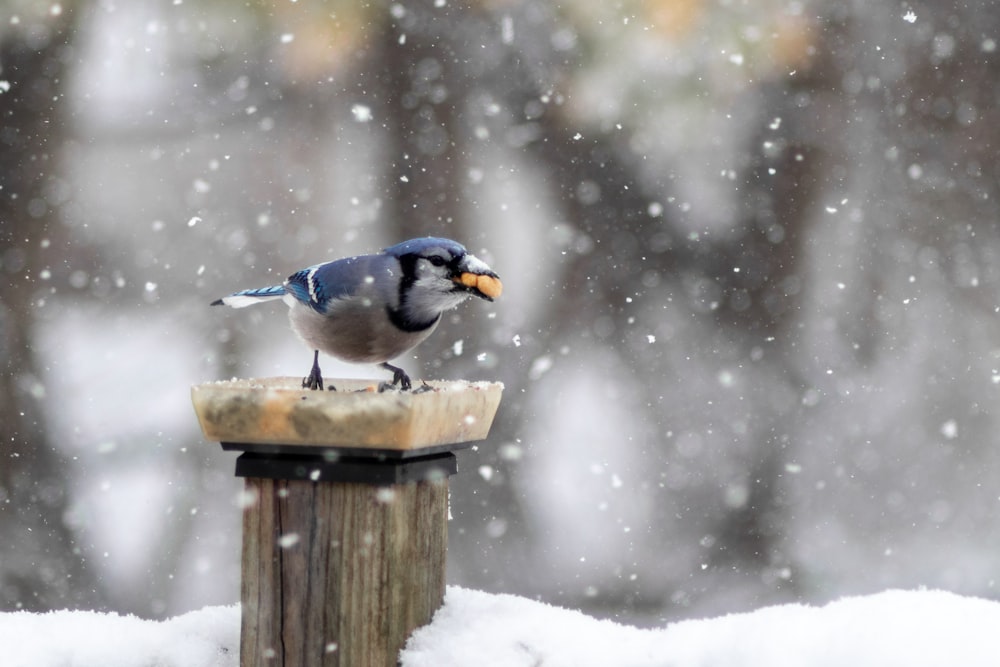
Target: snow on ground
(911, 628)
(209, 637)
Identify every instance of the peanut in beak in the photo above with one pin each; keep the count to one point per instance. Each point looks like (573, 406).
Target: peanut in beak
(486, 285)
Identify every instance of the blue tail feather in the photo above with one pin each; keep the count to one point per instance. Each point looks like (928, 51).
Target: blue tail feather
(263, 292)
(249, 297)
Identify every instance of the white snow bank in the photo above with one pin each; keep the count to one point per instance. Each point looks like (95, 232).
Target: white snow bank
(911, 628)
(905, 628)
(209, 637)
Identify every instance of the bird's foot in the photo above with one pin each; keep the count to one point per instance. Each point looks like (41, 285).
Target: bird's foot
(315, 378)
(313, 381)
(399, 377)
(423, 388)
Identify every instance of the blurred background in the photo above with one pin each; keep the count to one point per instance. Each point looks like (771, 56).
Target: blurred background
(750, 333)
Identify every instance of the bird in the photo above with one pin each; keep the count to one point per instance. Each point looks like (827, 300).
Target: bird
(373, 308)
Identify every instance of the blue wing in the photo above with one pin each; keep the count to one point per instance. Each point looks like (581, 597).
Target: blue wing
(321, 285)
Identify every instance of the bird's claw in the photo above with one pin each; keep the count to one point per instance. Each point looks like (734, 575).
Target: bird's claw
(313, 382)
(402, 379)
(315, 378)
(399, 377)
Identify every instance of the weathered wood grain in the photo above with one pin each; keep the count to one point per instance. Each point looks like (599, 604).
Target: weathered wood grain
(339, 574)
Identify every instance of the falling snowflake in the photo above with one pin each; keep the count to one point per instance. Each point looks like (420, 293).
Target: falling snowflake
(362, 113)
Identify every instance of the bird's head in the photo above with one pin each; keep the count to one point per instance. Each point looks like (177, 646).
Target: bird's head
(439, 274)
(446, 267)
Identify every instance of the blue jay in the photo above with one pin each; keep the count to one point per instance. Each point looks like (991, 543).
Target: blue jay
(373, 308)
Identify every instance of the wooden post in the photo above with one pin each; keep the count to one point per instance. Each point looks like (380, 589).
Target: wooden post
(344, 545)
(339, 573)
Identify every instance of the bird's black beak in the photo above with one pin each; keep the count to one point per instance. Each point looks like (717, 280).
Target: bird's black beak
(472, 275)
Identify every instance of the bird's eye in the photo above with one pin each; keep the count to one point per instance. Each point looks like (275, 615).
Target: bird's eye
(436, 260)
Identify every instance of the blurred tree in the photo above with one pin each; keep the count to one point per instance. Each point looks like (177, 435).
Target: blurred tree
(43, 564)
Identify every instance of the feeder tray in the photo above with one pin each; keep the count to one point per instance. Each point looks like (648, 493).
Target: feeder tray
(356, 417)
